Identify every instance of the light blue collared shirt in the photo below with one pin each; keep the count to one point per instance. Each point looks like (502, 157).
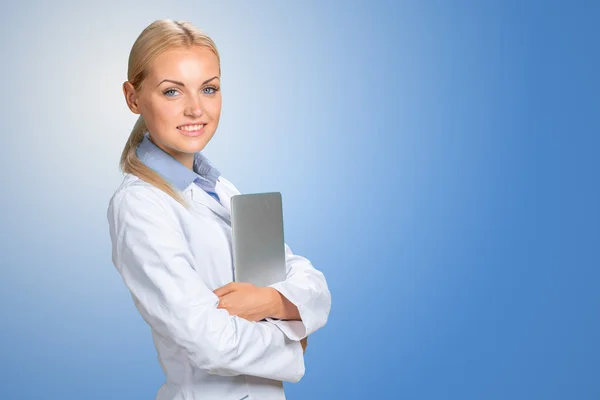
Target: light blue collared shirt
(204, 174)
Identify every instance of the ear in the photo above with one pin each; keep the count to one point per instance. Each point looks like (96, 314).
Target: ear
(131, 97)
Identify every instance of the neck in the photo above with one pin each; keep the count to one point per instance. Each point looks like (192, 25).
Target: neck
(186, 159)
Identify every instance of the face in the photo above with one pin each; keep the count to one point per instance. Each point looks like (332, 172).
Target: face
(180, 101)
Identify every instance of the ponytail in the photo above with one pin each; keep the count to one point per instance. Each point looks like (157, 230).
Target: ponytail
(130, 163)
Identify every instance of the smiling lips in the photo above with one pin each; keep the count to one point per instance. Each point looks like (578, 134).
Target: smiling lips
(192, 130)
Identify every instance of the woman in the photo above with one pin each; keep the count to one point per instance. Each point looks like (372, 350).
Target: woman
(171, 237)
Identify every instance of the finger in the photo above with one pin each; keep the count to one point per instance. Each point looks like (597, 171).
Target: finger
(229, 302)
(223, 290)
(223, 302)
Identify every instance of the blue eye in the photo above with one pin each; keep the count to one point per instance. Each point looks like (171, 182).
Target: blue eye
(169, 90)
(214, 90)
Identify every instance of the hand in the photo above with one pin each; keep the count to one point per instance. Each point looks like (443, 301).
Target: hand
(247, 301)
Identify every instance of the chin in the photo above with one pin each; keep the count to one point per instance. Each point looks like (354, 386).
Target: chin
(194, 145)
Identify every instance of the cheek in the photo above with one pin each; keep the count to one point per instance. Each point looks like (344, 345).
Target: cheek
(165, 112)
(214, 109)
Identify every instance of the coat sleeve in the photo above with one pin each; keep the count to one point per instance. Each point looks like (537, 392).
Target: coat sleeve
(151, 254)
(307, 289)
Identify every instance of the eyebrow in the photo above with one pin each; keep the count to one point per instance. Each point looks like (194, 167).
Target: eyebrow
(181, 84)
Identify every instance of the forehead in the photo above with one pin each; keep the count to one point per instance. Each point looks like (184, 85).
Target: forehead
(196, 62)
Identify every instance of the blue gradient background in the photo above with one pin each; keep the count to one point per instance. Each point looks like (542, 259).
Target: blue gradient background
(438, 162)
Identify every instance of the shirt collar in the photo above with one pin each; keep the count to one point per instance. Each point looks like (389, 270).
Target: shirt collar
(204, 173)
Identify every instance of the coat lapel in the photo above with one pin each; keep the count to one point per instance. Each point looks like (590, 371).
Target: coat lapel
(223, 210)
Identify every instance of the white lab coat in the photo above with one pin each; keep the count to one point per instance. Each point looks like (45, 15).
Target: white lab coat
(171, 260)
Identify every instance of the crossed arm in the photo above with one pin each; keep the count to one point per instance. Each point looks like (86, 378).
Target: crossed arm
(255, 303)
(153, 258)
(298, 306)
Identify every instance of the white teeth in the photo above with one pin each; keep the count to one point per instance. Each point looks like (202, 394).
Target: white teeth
(191, 127)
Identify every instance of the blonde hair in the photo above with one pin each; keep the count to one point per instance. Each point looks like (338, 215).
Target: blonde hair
(155, 39)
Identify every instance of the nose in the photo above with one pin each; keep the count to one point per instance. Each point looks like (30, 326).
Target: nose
(193, 107)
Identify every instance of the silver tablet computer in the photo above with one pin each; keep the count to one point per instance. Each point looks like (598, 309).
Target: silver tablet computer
(257, 236)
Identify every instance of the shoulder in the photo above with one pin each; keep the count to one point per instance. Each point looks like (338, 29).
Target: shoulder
(136, 196)
(142, 210)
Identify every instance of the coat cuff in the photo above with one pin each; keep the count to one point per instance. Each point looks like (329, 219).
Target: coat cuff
(294, 330)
